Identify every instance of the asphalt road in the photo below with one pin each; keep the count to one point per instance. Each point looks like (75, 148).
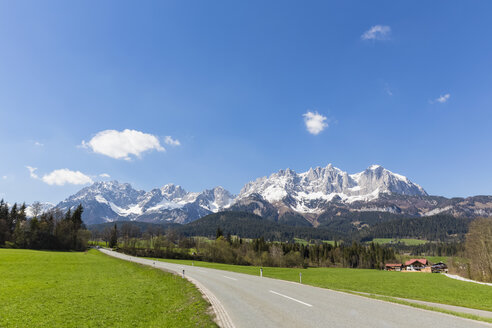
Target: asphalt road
(242, 300)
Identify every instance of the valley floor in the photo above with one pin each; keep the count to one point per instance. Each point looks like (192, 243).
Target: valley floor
(253, 301)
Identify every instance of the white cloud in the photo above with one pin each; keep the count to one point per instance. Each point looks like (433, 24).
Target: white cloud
(121, 145)
(443, 98)
(37, 143)
(315, 123)
(104, 175)
(377, 32)
(65, 176)
(61, 177)
(32, 172)
(4, 177)
(172, 142)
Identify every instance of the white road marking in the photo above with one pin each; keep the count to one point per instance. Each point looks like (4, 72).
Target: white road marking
(230, 278)
(291, 298)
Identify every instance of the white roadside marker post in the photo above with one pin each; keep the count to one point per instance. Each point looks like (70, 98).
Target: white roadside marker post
(261, 272)
(300, 277)
(183, 273)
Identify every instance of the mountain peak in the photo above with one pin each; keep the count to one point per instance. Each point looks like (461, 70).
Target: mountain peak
(172, 191)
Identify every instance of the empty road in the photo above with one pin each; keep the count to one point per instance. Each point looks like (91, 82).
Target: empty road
(242, 300)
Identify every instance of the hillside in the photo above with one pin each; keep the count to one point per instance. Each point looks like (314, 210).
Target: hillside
(247, 225)
(441, 228)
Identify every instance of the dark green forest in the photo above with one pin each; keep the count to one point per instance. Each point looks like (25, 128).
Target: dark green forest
(436, 228)
(439, 228)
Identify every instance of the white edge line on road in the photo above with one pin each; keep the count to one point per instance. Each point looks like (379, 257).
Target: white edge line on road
(229, 278)
(291, 298)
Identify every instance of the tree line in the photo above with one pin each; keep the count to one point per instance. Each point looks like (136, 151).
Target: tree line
(431, 249)
(259, 252)
(52, 230)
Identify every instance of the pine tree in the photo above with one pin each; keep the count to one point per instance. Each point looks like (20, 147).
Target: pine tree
(219, 233)
(113, 239)
(76, 217)
(12, 219)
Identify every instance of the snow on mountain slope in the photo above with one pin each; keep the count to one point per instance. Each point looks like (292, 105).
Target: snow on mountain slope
(110, 201)
(38, 208)
(308, 192)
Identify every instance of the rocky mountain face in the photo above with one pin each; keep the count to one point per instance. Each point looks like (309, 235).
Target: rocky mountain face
(308, 198)
(311, 191)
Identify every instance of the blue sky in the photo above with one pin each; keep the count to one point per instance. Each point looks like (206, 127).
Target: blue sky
(403, 84)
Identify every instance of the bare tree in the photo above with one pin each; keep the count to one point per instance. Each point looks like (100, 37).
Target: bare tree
(478, 249)
(36, 209)
(106, 234)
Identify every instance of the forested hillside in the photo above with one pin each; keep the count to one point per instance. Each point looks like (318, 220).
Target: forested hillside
(435, 228)
(443, 228)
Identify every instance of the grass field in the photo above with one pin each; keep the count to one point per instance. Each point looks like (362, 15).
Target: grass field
(406, 241)
(71, 289)
(98, 243)
(419, 286)
(301, 241)
(305, 242)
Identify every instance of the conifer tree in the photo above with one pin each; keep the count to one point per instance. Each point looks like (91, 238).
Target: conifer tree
(113, 240)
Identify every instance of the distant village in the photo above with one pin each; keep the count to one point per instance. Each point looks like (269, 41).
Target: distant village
(417, 265)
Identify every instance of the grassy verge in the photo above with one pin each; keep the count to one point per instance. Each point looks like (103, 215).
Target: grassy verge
(419, 286)
(71, 289)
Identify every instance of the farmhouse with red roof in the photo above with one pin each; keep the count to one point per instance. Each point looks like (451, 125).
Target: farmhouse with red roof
(416, 264)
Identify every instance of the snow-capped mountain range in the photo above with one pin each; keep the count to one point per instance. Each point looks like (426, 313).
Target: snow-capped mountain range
(306, 196)
(311, 190)
(112, 201)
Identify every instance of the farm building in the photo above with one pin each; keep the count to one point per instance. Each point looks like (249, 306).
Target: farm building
(416, 265)
(393, 266)
(439, 267)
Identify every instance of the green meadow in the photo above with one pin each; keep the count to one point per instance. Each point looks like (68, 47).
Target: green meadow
(305, 242)
(406, 241)
(75, 289)
(431, 287)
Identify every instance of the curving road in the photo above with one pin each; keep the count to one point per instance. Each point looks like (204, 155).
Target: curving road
(241, 300)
